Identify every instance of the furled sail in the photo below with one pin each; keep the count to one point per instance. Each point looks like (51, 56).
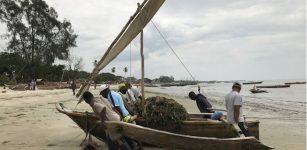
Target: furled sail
(134, 26)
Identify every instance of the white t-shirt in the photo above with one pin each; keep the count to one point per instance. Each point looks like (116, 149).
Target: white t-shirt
(231, 99)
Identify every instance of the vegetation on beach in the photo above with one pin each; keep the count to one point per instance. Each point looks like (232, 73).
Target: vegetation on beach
(164, 114)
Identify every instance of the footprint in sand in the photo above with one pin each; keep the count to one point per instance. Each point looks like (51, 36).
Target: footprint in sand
(19, 115)
(4, 142)
(51, 144)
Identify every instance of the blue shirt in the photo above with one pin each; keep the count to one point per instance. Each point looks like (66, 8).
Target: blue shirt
(118, 101)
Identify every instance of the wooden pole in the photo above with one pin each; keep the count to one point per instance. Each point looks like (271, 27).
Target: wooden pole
(142, 66)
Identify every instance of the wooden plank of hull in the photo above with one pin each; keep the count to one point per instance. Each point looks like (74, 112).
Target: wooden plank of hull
(179, 141)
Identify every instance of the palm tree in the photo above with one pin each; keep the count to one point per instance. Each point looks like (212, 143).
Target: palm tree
(113, 70)
(125, 70)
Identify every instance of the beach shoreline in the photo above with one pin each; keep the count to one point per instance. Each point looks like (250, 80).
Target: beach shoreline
(30, 121)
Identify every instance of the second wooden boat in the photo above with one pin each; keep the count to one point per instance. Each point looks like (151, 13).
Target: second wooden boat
(274, 86)
(258, 91)
(259, 82)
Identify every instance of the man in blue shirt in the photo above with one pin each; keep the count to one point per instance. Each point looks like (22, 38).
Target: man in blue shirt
(117, 102)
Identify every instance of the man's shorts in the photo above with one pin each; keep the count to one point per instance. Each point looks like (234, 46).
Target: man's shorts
(216, 115)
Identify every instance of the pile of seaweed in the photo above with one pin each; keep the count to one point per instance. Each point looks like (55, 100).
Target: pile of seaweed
(164, 114)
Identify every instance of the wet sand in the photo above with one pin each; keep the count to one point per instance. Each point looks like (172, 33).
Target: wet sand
(29, 120)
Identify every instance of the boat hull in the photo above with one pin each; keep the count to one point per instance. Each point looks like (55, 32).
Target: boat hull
(180, 141)
(196, 126)
(258, 91)
(253, 82)
(274, 86)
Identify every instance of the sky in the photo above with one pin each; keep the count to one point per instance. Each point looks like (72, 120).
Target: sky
(216, 40)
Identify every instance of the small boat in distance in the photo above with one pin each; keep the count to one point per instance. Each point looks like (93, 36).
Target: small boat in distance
(251, 82)
(288, 83)
(258, 91)
(274, 86)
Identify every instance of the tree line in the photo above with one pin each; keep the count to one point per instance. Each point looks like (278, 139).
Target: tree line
(36, 38)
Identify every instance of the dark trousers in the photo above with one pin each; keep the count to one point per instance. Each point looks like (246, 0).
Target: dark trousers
(243, 128)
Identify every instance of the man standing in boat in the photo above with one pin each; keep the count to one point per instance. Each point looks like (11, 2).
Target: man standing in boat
(234, 106)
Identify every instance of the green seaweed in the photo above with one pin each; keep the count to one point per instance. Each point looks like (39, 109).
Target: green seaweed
(164, 114)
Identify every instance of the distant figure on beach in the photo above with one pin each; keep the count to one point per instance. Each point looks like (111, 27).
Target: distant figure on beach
(202, 103)
(234, 106)
(73, 87)
(34, 84)
(105, 112)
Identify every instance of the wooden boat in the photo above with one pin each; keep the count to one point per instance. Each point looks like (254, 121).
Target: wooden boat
(195, 126)
(274, 86)
(259, 82)
(179, 141)
(295, 83)
(195, 130)
(258, 91)
(178, 84)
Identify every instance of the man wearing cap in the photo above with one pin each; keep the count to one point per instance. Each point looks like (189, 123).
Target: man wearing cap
(117, 103)
(234, 106)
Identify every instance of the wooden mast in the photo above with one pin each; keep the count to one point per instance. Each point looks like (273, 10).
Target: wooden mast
(142, 65)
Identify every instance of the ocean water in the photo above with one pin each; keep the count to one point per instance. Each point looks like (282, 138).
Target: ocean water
(277, 99)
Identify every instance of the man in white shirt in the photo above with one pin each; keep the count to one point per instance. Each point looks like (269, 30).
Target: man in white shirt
(234, 106)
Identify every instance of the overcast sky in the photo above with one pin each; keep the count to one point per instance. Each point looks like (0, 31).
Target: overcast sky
(217, 40)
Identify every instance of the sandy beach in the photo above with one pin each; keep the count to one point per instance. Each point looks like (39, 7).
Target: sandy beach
(30, 121)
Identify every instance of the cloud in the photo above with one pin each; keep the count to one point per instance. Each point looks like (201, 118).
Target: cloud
(217, 40)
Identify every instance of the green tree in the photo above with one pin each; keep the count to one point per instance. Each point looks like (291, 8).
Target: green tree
(166, 79)
(11, 65)
(35, 33)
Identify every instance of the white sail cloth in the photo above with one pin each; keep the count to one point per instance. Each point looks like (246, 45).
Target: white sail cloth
(143, 16)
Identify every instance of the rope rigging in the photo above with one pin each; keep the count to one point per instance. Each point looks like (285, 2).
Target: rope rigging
(169, 45)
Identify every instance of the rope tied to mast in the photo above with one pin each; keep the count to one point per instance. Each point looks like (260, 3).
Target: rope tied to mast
(171, 48)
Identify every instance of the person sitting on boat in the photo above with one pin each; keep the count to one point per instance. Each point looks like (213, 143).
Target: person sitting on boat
(202, 103)
(129, 105)
(105, 112)
(234, 106)
(133, 92)
(255, 88)
(117, 102)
